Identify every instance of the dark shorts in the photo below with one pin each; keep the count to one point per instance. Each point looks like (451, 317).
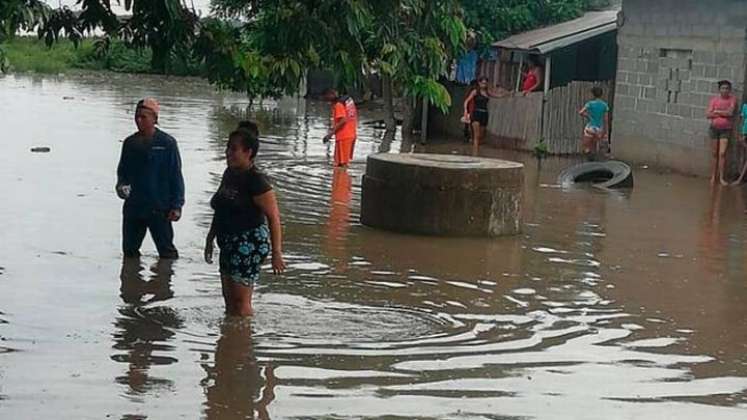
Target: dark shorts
(242, 255)
(717, 133)
(480, 117)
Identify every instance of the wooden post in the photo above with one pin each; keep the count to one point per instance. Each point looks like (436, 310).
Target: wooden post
(548, 69)
(518, 78)
(424, 122)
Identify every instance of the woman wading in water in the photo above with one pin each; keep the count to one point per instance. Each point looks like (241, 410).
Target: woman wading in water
(478, 116)
(244, 206)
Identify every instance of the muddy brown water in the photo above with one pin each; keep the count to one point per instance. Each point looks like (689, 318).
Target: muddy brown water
(609, 305)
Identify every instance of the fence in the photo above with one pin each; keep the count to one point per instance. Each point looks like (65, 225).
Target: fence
(563, 126)
(500, 73)
(517, 122)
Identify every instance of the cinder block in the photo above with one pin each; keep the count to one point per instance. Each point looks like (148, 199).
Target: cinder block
(684, 111)
(652, 66)
(624, 102)
(643, 106)
(627, 64)
(721, 58)
(704, 57)
(705, 86)
(698, 70)
(711, 71)
(659, 107)
(699, 112)
(725, 72)
(622, 89)
(649, 92)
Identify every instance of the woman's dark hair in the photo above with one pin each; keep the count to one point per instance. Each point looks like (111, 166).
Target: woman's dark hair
(481, 79)
(724, 83)
(597, 91)
(534, 60)
(250, 126)
(248, 140)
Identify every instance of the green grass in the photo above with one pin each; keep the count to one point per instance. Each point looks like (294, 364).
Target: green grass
(26, 54)
(30, 55)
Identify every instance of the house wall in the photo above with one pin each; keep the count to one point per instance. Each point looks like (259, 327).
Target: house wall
(671, 54)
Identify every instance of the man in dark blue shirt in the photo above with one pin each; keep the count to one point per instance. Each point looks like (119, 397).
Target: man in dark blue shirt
(149, 179)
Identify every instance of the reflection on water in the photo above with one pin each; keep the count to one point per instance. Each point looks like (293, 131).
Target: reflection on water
(629, 304)
(142, 333)
(232, 383)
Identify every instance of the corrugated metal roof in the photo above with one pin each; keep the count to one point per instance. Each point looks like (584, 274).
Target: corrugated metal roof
(553, 37)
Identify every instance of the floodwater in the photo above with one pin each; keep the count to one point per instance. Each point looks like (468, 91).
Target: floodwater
(609, 305)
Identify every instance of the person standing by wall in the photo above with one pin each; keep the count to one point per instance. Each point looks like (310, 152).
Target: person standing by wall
(344, 126)
(720, 112)
(469, 108)
(149, 179)
(480, 97)
(596, 112)
(744, 144)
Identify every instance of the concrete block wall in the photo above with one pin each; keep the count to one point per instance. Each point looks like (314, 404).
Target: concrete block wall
(671, 54)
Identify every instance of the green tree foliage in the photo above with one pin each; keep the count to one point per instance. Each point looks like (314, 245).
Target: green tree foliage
(495, 19)
(167, 27)
(411, 41)
(17, 15)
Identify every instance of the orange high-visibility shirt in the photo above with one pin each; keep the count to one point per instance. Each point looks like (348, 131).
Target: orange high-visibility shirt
(346, 110)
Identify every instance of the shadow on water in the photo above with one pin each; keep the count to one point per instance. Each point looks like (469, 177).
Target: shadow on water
(630, 305)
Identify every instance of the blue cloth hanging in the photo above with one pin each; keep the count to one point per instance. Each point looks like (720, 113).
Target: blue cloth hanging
(467, 67)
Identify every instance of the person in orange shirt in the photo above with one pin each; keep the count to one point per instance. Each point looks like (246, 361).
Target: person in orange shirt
(344, 126)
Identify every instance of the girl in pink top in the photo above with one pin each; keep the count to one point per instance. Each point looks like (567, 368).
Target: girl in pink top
(721, 111)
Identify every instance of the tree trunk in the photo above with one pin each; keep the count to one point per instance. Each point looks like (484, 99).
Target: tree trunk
(408, 119)
(160, 58)
(391, 123)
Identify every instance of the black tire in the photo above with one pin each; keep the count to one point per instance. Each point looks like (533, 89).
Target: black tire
(612, 174)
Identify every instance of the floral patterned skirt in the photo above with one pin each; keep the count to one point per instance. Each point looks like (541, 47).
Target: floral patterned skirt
(242, 254)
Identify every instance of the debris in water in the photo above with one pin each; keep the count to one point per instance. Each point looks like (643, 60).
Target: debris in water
(43, 149)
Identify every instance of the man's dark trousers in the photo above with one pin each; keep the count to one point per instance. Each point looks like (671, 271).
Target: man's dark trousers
(134, 226)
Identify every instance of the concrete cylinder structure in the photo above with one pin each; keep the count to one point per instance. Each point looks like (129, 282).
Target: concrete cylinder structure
(445, 195)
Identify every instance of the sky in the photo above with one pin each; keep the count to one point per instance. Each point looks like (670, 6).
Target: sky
(201, 5)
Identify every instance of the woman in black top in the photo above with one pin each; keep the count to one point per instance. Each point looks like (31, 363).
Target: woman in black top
(244, 206)
(479, 116)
